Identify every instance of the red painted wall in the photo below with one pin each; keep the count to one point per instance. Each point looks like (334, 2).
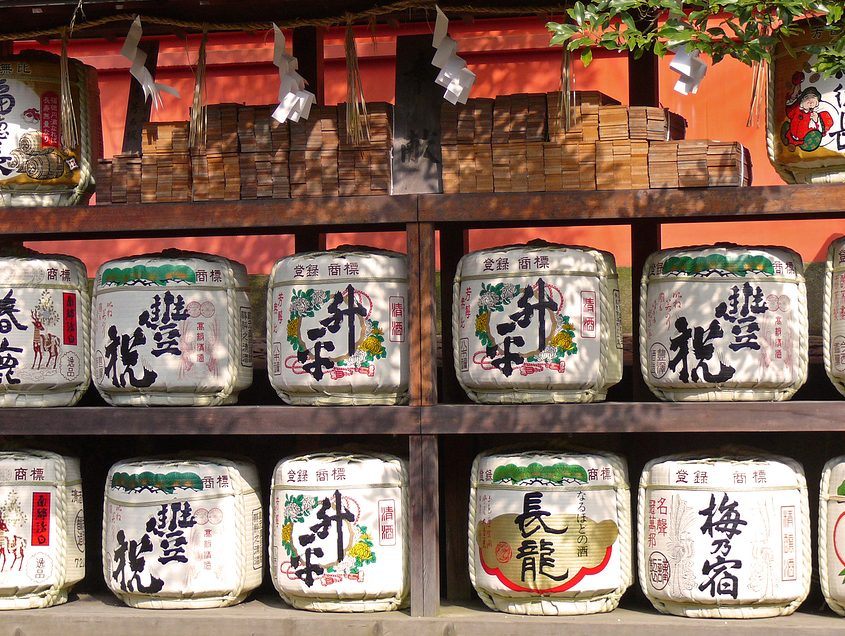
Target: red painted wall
(509, 56)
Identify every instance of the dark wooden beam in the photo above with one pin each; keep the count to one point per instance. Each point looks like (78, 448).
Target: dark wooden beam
(416, 118)
(643, 76)
(308, 50)
(645, 239)
(138, 109)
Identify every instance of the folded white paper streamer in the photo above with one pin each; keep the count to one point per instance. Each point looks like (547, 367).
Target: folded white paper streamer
(140, 72)
(454, 75)
(294, 101)
(691, 69)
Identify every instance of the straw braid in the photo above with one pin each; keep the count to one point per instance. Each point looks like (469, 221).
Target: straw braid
(827, 316)
(344, 18)
(824, 496)
(515, 394)
(387, 603)
(567, 603)
(165, 393)
(323, 394)
(692, 609)
(716, 393)
(57, 593)
(22, 395)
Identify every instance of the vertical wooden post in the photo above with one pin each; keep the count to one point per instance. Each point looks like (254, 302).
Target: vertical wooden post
(425, 525)
(416, 118)
(454, 243)
(645, 239)
(423, 379)
(309, 240)
(308, 50)
(138, 109)
(643, 77)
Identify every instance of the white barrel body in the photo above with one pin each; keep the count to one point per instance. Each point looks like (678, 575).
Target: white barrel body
(171, 329)
(833, 328)
(724, 323)
(724, 537)
(337, 328)
(550, 532)
(42, 528)
(182, 533)
(832, 534)
(36, 165)
(45, 316)
(537, 323)
(339, 532)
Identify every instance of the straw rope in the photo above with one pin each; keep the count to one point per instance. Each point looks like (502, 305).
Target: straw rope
(572, 602)
(824, 497)
(827, 313)
(736, 609)
(610, 359)
(345, 18)
(334, 600)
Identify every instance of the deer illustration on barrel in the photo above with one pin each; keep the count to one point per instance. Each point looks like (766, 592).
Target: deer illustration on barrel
(14, 546)
(43, 341)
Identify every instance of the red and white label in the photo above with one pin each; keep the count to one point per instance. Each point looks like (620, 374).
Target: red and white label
(69, 318)
(588, 314)
(397, 319)
(40, 519)
(50, 122)
(386, 522)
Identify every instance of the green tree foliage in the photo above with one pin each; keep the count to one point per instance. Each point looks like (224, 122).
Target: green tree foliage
(746, 30)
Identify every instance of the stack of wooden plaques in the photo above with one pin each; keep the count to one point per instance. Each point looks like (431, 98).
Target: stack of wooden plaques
(621, 164)
(365, 168)
(519, 132)
(655, 124)
(215, 167)
(584, 123)
(264, 146)
(694, 163)
(102, 179)
(569, 166)
(165, 162)
(314, 154)
(728, 164)
(613, 123)
(466, 133)
(663, 164)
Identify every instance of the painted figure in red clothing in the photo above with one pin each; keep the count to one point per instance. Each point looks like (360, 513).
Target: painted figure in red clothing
(806, 125)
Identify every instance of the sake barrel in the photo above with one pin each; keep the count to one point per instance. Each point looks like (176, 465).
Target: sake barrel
(339, 532)
(550, 531)
(805, 136)
(723, 322)
(182, 533)
(171, 328)
(724, 536)
(44, 321)
(336, 327)
(537, 323)
(42, 528)
(833, 328)
(832, 534)
(38, 165)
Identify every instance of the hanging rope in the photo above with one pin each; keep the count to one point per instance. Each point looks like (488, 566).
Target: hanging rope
(357, 126)
(70, 134)
(196, 133)
(346, 18)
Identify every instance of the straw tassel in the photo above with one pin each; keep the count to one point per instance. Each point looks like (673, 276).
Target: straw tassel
(196, 135)
(70, 133)
(759, 71)
(357, 126)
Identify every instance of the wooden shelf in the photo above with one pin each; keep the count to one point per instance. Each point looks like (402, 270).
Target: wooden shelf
(625, 206)
(637, 417)
(269, 615)
(261, 216)
(219, 420)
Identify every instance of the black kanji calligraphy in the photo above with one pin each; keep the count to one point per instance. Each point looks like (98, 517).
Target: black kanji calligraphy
(8, 309)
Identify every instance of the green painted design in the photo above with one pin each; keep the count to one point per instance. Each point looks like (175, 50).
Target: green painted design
(841, 490)
(705, 265)
(493, 298)
(372, 345)
(304, 303)
(158, 275)
(362, 550)
(562, 342)
(556, 473)
(297, 507)
(156, 482)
